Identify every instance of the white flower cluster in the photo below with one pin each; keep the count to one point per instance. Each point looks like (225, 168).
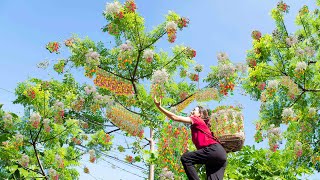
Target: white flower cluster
(159, 77)
(309, 51)
(313, 111)
(301, 66)
(241, 67)
(92, 58)
(90, 89)
(35, 119)
(92, 152)
(113, 8)
(171, 26)
(287, 113)
(298, 143)
(24, 161)
(126, 46)
(7, 118)
(226, 70)
(43, 65)
(166, 174)
(273, 84)
(198, 68)
(222, 57)
(274, 130)
(19, 138)
(52, 173)
(291, 40)
(58, 105)
(103, 99)
(148, 54)
(293, 88)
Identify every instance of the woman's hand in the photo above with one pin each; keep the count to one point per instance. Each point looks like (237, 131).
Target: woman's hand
(156, 102)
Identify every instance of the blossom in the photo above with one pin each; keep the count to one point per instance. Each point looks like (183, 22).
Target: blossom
(275, 131)
(222, 56)
(273, 84)
(19, 138)
(92, 152)
(92, 155)
(159, 77)
(113, 8)
(301, 66)
(166, 174)
(148, 55)
(241, 67)
(298, 143)
(126, 46)
(287, 113)
(24, 161)
(312, 111)
(90, 89)
(7, 117)
(309, 51)
(58, 105)
(171, 26)
(300, 52)
(291, 40)
(43, 64)
(52, 173)
(35, 120)
(198, 68)
(226, 70)
(92, 58)
(256, 35)
(46, 125)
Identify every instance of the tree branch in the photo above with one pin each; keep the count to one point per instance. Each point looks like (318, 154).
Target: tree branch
(113, 131)
(170, 61)
(57, 134)
(115, 74)
(181, 101)
(297, 98)
(40, 165)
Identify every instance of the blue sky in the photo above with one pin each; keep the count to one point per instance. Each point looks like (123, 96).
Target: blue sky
(26, 27)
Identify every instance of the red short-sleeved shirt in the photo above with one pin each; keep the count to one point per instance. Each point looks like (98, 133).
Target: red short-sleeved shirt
(200, 139)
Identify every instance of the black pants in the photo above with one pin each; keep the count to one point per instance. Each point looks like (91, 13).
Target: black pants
(213, 156)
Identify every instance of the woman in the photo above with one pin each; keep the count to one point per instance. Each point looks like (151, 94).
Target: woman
(209, 151)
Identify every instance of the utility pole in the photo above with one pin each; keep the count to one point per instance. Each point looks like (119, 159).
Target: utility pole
(151, 167)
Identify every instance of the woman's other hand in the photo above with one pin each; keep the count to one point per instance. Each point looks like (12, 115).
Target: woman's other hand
(158, 103)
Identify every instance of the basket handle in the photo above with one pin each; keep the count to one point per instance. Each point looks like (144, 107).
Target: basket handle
(210, 135)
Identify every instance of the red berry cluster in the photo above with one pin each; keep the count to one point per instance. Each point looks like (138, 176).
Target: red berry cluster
(53, 47)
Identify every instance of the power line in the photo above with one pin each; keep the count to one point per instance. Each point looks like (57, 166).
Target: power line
(7, 90)
(123, 169)
(116, 159)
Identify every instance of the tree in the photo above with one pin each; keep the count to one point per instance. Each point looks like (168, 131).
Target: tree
(284, 76)
(134, 71)
(47, 141)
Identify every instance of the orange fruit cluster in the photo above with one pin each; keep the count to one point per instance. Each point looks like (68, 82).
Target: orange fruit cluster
(126, 121)
(185, 103)
(113, 84)
(207, 95)
(172, 144)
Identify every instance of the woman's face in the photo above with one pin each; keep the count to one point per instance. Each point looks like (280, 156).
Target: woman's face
(196, 112)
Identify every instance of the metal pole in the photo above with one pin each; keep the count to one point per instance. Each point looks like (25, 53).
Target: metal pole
(151, 167)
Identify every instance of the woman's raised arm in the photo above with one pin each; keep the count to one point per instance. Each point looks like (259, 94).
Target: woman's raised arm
(171, 115)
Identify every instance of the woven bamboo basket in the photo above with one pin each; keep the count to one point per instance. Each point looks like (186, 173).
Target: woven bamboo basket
(232, 142)
(228, 126)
